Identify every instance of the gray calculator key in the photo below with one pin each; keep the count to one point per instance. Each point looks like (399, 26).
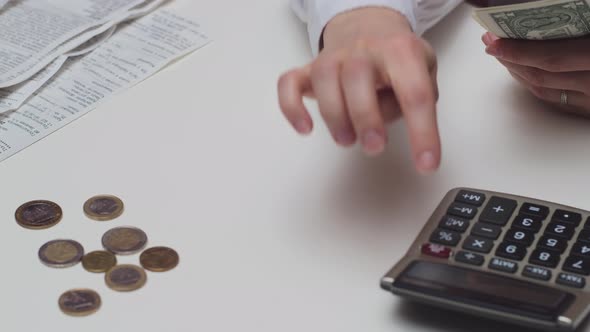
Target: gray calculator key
(469, 258)
(581, 249)
(478, 244)
(555, 243)
(470, 197)
(571, 280)
(530, 223)
(486, 230)
(543, 257)
(584, 236)
(498, 210)
(567, 216)
(561, 229)
(503, 265)
(536, 272)
(462, 210)
(446, 237)
(511, 250)
(454, 223)
(535, 210)
(577, 264)
(520, 236)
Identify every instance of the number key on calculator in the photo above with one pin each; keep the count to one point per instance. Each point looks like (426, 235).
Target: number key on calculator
(511, 258)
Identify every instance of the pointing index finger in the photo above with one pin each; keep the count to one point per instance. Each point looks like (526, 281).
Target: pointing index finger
(408, 66)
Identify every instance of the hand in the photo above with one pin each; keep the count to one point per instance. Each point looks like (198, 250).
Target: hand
(547, 68)
(372, 70)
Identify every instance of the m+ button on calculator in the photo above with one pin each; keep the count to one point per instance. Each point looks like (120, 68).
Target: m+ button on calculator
(511, 258)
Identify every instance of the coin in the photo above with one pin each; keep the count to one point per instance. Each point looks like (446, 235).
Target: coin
(61, 253)
(159, 259)
(103, 207)
(99, 261)
(38, 214)
(124, 240)
(125, 278)
(79, 302)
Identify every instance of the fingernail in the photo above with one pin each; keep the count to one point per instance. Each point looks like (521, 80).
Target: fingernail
(345, 137)
(302, 126)
(373, 142)
(494, 50)
(426, 162)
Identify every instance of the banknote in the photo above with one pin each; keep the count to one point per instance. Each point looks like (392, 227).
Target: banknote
(538, 20)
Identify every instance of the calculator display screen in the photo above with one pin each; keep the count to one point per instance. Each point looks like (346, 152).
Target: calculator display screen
(486, 290)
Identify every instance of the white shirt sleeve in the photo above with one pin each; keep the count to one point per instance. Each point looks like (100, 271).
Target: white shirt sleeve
(422, 14)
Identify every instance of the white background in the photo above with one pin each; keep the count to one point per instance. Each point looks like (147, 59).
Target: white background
(275, 232)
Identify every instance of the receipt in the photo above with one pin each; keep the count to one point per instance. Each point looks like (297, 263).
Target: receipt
(14, 96)
(149, 44)
(31, 30)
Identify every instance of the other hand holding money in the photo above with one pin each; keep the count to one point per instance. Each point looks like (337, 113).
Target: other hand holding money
(556, 71)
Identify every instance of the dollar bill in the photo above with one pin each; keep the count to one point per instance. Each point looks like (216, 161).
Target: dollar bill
(539, 20)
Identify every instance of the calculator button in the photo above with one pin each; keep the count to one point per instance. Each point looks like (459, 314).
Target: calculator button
(527, 222)
(454, 223)
(567, 216)
(584, 236)
(463, 210)
(469, 258)
(486, 230)
(445, 237)
(571, 280)
(503, 265)
(553, 243)
(478, 244)
(577, 264)
(470, 197)
(498, 210)
(561, 229)
(511, 250)
(581, 249)
(536, 272)
(535, 210)
(520, 236)
(543, 257)
(436, 250)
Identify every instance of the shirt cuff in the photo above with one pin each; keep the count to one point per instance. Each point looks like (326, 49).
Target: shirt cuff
(320, 12)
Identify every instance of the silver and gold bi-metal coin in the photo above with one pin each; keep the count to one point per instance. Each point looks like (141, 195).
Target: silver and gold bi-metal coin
(61, 253)
(38, 214)
(103, 207)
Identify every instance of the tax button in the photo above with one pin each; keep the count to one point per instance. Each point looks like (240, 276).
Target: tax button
(536, 272)
(571, 280)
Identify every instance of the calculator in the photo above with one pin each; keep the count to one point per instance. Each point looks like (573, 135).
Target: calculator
(505, 257)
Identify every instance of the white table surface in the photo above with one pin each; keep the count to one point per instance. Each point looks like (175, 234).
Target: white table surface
(275, 232)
